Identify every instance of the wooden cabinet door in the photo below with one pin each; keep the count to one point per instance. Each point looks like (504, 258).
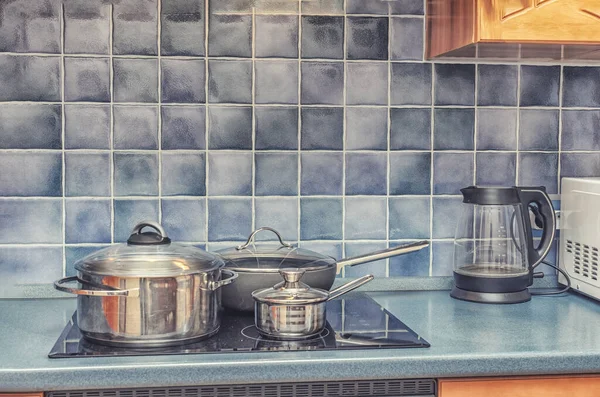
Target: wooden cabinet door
(567, 386)
(539, 20)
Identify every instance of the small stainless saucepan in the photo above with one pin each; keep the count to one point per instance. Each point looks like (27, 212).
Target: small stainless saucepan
(293, 310)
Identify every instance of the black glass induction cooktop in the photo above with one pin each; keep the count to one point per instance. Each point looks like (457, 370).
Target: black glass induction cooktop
(354, 322)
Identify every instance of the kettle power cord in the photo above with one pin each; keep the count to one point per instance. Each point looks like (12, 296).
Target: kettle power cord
(557, 292)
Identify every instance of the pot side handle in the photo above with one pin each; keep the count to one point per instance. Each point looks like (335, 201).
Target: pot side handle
(90, 292)
(214, 285)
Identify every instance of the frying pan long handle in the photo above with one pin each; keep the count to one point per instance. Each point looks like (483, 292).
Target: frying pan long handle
(386, 253)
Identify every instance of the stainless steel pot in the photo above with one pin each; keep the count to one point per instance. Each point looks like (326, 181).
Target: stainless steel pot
(149, 292)
(258, 266)
(293, 310)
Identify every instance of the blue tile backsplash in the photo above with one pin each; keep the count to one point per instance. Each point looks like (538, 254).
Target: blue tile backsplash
(320, 118)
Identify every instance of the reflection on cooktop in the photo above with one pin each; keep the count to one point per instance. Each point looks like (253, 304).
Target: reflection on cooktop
(354, 322)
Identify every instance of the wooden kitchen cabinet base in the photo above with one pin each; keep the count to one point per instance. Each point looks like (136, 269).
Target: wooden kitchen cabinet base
(559, 386)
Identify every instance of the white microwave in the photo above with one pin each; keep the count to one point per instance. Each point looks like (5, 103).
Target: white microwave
(579, 253)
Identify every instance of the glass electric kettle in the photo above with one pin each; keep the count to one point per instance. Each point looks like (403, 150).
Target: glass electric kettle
(494, 251)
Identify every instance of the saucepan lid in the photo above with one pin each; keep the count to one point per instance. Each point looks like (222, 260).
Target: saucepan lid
(269, 257)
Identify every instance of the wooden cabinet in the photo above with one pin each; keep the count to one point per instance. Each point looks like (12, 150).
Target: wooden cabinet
(457, 25)
(543, 386)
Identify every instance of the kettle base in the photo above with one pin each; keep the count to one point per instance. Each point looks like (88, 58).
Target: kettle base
(491, 297)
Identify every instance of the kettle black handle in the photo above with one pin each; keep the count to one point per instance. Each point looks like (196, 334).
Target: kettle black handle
(538, 195)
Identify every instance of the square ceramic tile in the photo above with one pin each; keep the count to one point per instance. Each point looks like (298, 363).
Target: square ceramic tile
(183, 174)
(538, 129)
(276, 36)
(454, 84)
(30, 27)
(322, 37)
(579, 164)
(135, 127)
(87, 174)
(87, 126)
(276, 174)
(30, 126)
(445, 213)
(452, 172)
(276, 128)
(497, 129)
(76, 253)
(86, 28)
(135, 80)
(280, 213)
(31, 174)
(539, 85)
(375, 7)
(406, 7)
(230, 35)
(580, 130)
(365, 218)
(366, 83)
(443, 258)
(413, 265)
(229, 174)
(409, 217)
(87, 79)
(183, 80)
(31, 221)
(537, 169)
(276, 82)
(183, 127)
(410, 173)
(406, 41)
(129, 213)
(410, 129)
(231, 6)
(321, 218)
(276, 6)
(318, 7)
(229, 127)
(135, 27)
(496, 169)
(321, 174)
(182, 28)
(29, 78)
(497, 85)
(581, 86)
(367, 38)
(21, 258)
(184, 220)
(322, 128)
(355, 248)
(322, 83)
(366, 173)
(411, 84)
(454, 129)
(135, 174)
(366, 128)
(230, 81)
(87, 221)
(229, 219)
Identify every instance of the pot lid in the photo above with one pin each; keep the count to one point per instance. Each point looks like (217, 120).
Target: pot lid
(148, 254)
(291, 291)
(271, 257)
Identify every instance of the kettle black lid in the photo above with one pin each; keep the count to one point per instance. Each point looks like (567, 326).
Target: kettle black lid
(490, 195)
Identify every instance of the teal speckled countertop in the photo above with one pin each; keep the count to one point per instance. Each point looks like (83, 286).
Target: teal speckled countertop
(544, 336)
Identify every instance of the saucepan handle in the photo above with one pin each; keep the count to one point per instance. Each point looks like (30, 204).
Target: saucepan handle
(214, 285)
(59, 285)
(354, 284)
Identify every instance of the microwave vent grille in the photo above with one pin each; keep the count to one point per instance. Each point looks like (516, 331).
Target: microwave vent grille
(585, 259)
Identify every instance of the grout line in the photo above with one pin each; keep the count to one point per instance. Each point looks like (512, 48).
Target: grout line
(560, 126)
(476, 124)
(518, 125)
(299, 118)
(344, 128)
(63, 134)
(389, 143)
(112, 125)
(159, 78)
(431, 168)
(206, 119)
(253, 137)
